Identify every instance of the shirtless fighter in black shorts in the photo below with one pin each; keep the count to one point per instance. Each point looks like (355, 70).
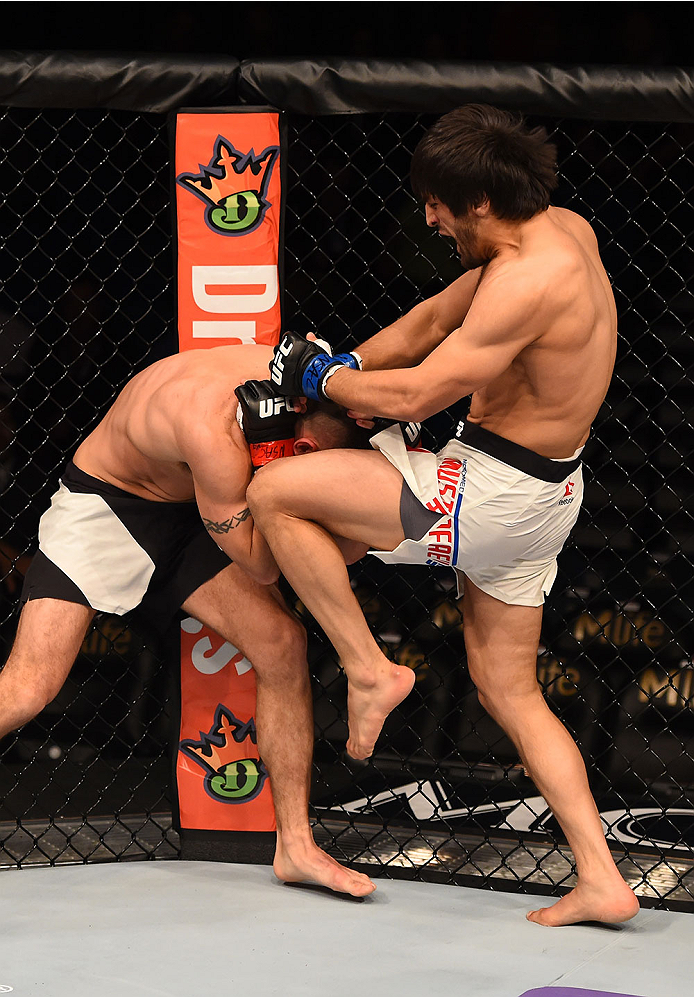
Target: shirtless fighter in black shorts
(125, 529)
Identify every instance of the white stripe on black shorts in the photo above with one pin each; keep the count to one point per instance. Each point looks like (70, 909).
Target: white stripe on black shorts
(103, 547)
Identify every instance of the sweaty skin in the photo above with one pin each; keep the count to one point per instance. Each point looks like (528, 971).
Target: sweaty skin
(530, 331)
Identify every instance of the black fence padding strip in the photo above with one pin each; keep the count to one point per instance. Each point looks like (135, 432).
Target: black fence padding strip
(159, 83)
(156, 83)
(348, 86)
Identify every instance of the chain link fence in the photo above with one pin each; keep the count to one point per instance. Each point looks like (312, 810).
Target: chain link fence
(87, 300)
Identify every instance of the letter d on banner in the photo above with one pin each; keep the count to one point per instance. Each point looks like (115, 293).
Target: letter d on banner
(228, 193)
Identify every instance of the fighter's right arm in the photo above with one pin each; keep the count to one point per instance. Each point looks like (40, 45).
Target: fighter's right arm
(416, 334)
(221, 470)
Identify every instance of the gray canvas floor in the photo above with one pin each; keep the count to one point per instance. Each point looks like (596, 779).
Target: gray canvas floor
(173, 929)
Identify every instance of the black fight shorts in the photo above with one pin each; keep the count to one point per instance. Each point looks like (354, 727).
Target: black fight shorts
(103, 547)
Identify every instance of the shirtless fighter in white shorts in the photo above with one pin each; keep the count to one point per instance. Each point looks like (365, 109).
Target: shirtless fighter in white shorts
(530, 332)
(125, 530)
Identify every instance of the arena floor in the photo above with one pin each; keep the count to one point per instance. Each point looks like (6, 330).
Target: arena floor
(171, 929)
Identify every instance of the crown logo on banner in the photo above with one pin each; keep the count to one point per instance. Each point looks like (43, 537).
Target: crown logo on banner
(233, 186)
(225, 752)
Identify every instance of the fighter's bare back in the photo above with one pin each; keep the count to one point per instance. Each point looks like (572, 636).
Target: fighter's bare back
(144, 442)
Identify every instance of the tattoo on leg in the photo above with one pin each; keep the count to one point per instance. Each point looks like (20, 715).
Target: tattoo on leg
(228, 524)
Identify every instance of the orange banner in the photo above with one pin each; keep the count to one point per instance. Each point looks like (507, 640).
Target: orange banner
(229, 218)
(229, 214)
(222, 782)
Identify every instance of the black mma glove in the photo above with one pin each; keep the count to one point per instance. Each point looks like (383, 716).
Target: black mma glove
(267, 420)
(411, 431)
(301, 368)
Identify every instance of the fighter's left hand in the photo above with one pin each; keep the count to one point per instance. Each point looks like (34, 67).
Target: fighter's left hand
(301, 367)
(267, 420)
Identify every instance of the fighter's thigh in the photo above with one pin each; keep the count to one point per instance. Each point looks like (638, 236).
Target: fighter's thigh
(501, 643)
(252, 617)
(49, 636)
(352, 493)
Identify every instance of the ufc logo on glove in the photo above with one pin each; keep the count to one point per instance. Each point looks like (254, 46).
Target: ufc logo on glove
(281, 351)
(270, 407)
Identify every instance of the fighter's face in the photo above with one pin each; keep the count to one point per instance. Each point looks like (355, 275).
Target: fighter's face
(463, 229)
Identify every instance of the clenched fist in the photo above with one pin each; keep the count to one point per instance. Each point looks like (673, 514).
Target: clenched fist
(301, 368)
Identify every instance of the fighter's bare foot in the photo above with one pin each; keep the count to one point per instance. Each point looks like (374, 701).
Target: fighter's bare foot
(612, 903)
(306, 862)
(369, 705)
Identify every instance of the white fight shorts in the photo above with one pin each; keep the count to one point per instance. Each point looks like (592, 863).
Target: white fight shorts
(103, 547)
(490, 509)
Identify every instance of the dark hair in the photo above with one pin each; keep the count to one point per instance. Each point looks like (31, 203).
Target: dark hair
(343, 431)
(477, 152)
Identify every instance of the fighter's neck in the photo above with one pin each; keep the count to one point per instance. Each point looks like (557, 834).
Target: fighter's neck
(501, 238)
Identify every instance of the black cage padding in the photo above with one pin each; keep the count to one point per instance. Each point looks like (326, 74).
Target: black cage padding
(158, 84)
(347, 86)
(155, 83)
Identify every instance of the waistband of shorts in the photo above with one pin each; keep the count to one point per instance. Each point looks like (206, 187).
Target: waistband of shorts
(77, 480)
(513, 454)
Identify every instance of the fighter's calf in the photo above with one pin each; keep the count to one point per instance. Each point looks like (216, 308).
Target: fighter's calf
(24, 692)
(48, 639)
(280, 659)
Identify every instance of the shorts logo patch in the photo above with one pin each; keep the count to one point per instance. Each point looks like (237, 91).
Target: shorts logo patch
(568, 494)
(442, 541)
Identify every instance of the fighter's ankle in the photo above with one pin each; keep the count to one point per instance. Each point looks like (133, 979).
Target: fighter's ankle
(597, 877)
(368, 674)
(294, 839)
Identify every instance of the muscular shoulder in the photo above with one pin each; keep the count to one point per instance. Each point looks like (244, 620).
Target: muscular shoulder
(200, 394)
(526, 278)
(210, 429)
(218, 457)
(532, 290)
(559, 251)
(575, 225)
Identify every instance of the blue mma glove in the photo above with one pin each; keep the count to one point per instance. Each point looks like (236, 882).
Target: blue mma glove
(302, 368)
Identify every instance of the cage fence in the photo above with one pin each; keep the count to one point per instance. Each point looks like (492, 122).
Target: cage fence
(85, 272)
(87, 300)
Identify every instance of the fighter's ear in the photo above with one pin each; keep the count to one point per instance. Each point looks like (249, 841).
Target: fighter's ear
(483, 208)
(305, 444)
